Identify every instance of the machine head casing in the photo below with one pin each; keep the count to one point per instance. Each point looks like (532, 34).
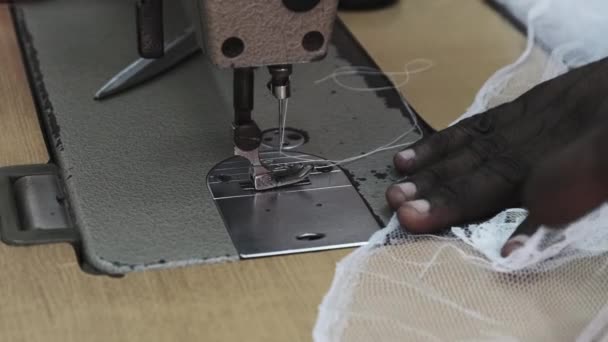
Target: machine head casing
(254, 33)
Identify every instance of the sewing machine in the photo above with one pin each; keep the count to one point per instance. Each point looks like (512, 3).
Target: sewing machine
(267, 299)
(243, 36)
(268, 190)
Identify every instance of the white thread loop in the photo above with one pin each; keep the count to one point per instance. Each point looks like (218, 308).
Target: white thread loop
(413, 67)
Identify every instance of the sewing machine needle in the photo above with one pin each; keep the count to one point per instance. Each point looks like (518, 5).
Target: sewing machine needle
(282, 122)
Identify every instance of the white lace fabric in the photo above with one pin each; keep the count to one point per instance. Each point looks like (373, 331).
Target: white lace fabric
(428, 288)
(457, 287)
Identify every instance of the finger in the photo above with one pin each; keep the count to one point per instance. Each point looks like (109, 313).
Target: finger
(491, 188)
(459, 164)
(397, 194)
(443, 143)
(423, 181)
(570, 183)
(519, 237)
(462, 163)
(538, 99)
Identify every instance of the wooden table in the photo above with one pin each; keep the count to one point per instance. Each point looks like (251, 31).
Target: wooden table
(44, 296)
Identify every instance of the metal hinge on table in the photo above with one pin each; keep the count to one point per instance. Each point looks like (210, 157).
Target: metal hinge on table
(33, 208)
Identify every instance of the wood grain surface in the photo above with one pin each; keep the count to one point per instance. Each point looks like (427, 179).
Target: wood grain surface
(45, 297)
(20, 135)
(466, 40)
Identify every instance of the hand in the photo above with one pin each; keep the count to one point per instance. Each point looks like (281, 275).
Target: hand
(547, 151)
(566, 186)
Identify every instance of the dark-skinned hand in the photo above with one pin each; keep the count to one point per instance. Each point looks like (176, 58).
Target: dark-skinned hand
(546, 151)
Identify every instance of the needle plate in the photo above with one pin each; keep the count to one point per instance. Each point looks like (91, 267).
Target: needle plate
(323, 211)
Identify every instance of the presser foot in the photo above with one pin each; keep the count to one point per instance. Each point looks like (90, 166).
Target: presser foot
(272, 173)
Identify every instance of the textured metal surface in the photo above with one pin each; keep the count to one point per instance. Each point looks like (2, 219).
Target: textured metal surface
(134, 166)
(308, 216)
(271, 33)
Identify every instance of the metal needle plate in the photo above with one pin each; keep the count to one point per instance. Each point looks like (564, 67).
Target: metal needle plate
(322, 212)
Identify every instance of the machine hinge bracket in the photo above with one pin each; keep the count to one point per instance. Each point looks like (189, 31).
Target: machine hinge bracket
(33, 207)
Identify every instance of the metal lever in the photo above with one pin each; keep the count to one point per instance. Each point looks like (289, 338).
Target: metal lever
(150, 30)
(143, 69)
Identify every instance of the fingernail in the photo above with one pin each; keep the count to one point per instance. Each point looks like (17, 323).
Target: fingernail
(405, 159)
(422, 206)
(395, 196)
(408, 189)
(513, 244)
(407, 155)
